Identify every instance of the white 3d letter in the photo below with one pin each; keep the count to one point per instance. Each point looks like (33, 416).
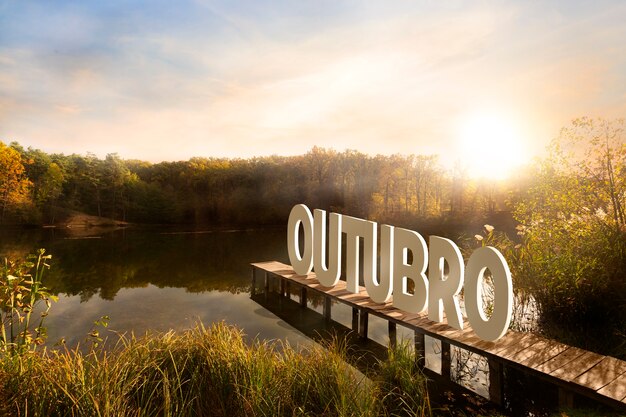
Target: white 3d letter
(355, 228)
(329, 275)
(494, 327)
(380, 292)
(444, 290)
(405, 240)
(300, 215)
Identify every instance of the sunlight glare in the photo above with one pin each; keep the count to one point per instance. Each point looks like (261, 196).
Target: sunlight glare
(490, 146)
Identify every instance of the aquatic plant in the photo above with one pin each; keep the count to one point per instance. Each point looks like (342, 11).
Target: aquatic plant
(22, 294)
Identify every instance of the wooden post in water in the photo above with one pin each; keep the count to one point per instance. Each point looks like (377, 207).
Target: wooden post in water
(363, 324)
(282, 287)
(420, 349)
(267, 283)
(303, 296)
(445, 360)
(496, 382)
(253, 287)
(288, 289)
(393, 341)
(355, 319)
(566, 398)
(327, 304)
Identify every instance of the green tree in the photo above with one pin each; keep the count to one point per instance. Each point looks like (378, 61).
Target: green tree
(573, 256)
(50, 189)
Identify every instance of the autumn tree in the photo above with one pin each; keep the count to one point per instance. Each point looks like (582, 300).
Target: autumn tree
(14, 186)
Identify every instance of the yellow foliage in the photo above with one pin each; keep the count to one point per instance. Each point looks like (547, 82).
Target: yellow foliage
(14, 185)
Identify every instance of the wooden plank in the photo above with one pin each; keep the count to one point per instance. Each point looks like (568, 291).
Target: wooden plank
(616, 389)
(365, 303)
(512, 343)
(271, 266)
(370, 305)
(560, 360)
(439, 328)
(573, 369)
(338, 292)
(542, 352)
(395, 314)
(603, 373)
(303, 280)
(410, 318)
(523, 351)
(355, 298)
(468, 339)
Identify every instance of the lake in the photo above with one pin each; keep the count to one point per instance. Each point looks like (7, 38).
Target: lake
(154, 279)
(151, 279)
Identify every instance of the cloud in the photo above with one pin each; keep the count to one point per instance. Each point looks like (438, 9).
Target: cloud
(248, 78)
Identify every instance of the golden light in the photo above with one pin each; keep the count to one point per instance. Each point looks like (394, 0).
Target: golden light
(490, 146)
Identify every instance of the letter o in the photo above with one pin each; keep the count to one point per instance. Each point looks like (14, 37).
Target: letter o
(495, 327)
(301, 261)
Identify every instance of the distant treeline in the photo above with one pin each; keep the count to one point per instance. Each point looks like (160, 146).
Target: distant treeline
(40, 188)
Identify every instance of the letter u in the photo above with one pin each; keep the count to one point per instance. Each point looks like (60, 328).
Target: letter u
(329, 275)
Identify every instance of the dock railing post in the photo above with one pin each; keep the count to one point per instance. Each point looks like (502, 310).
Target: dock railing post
(496, 382)
(566, 399)
(393, 339)
(327, 304)
(363, 323)
(445, 360)
(303, 296)
(420, 349)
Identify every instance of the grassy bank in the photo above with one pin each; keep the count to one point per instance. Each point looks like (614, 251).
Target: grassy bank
(206, 372)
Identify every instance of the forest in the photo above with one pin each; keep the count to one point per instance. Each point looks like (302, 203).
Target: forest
(37, 188)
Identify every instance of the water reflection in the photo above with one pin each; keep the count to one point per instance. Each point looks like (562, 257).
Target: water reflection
(136, 258)
(154, 280)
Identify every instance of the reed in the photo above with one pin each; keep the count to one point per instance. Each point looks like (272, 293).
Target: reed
(206, 371)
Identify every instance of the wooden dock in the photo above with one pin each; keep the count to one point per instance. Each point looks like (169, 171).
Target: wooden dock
(574, 371)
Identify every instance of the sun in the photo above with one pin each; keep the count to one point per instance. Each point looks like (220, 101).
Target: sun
(490, 145)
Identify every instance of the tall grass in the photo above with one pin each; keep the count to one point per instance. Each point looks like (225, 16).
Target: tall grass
(206, 371)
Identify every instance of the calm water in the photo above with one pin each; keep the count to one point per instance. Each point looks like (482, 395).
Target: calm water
(153, 279)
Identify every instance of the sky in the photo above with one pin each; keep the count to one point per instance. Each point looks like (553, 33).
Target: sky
(163, 80)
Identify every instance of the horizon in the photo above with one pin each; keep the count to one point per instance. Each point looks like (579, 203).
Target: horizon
(510, 175)
(159, 82)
